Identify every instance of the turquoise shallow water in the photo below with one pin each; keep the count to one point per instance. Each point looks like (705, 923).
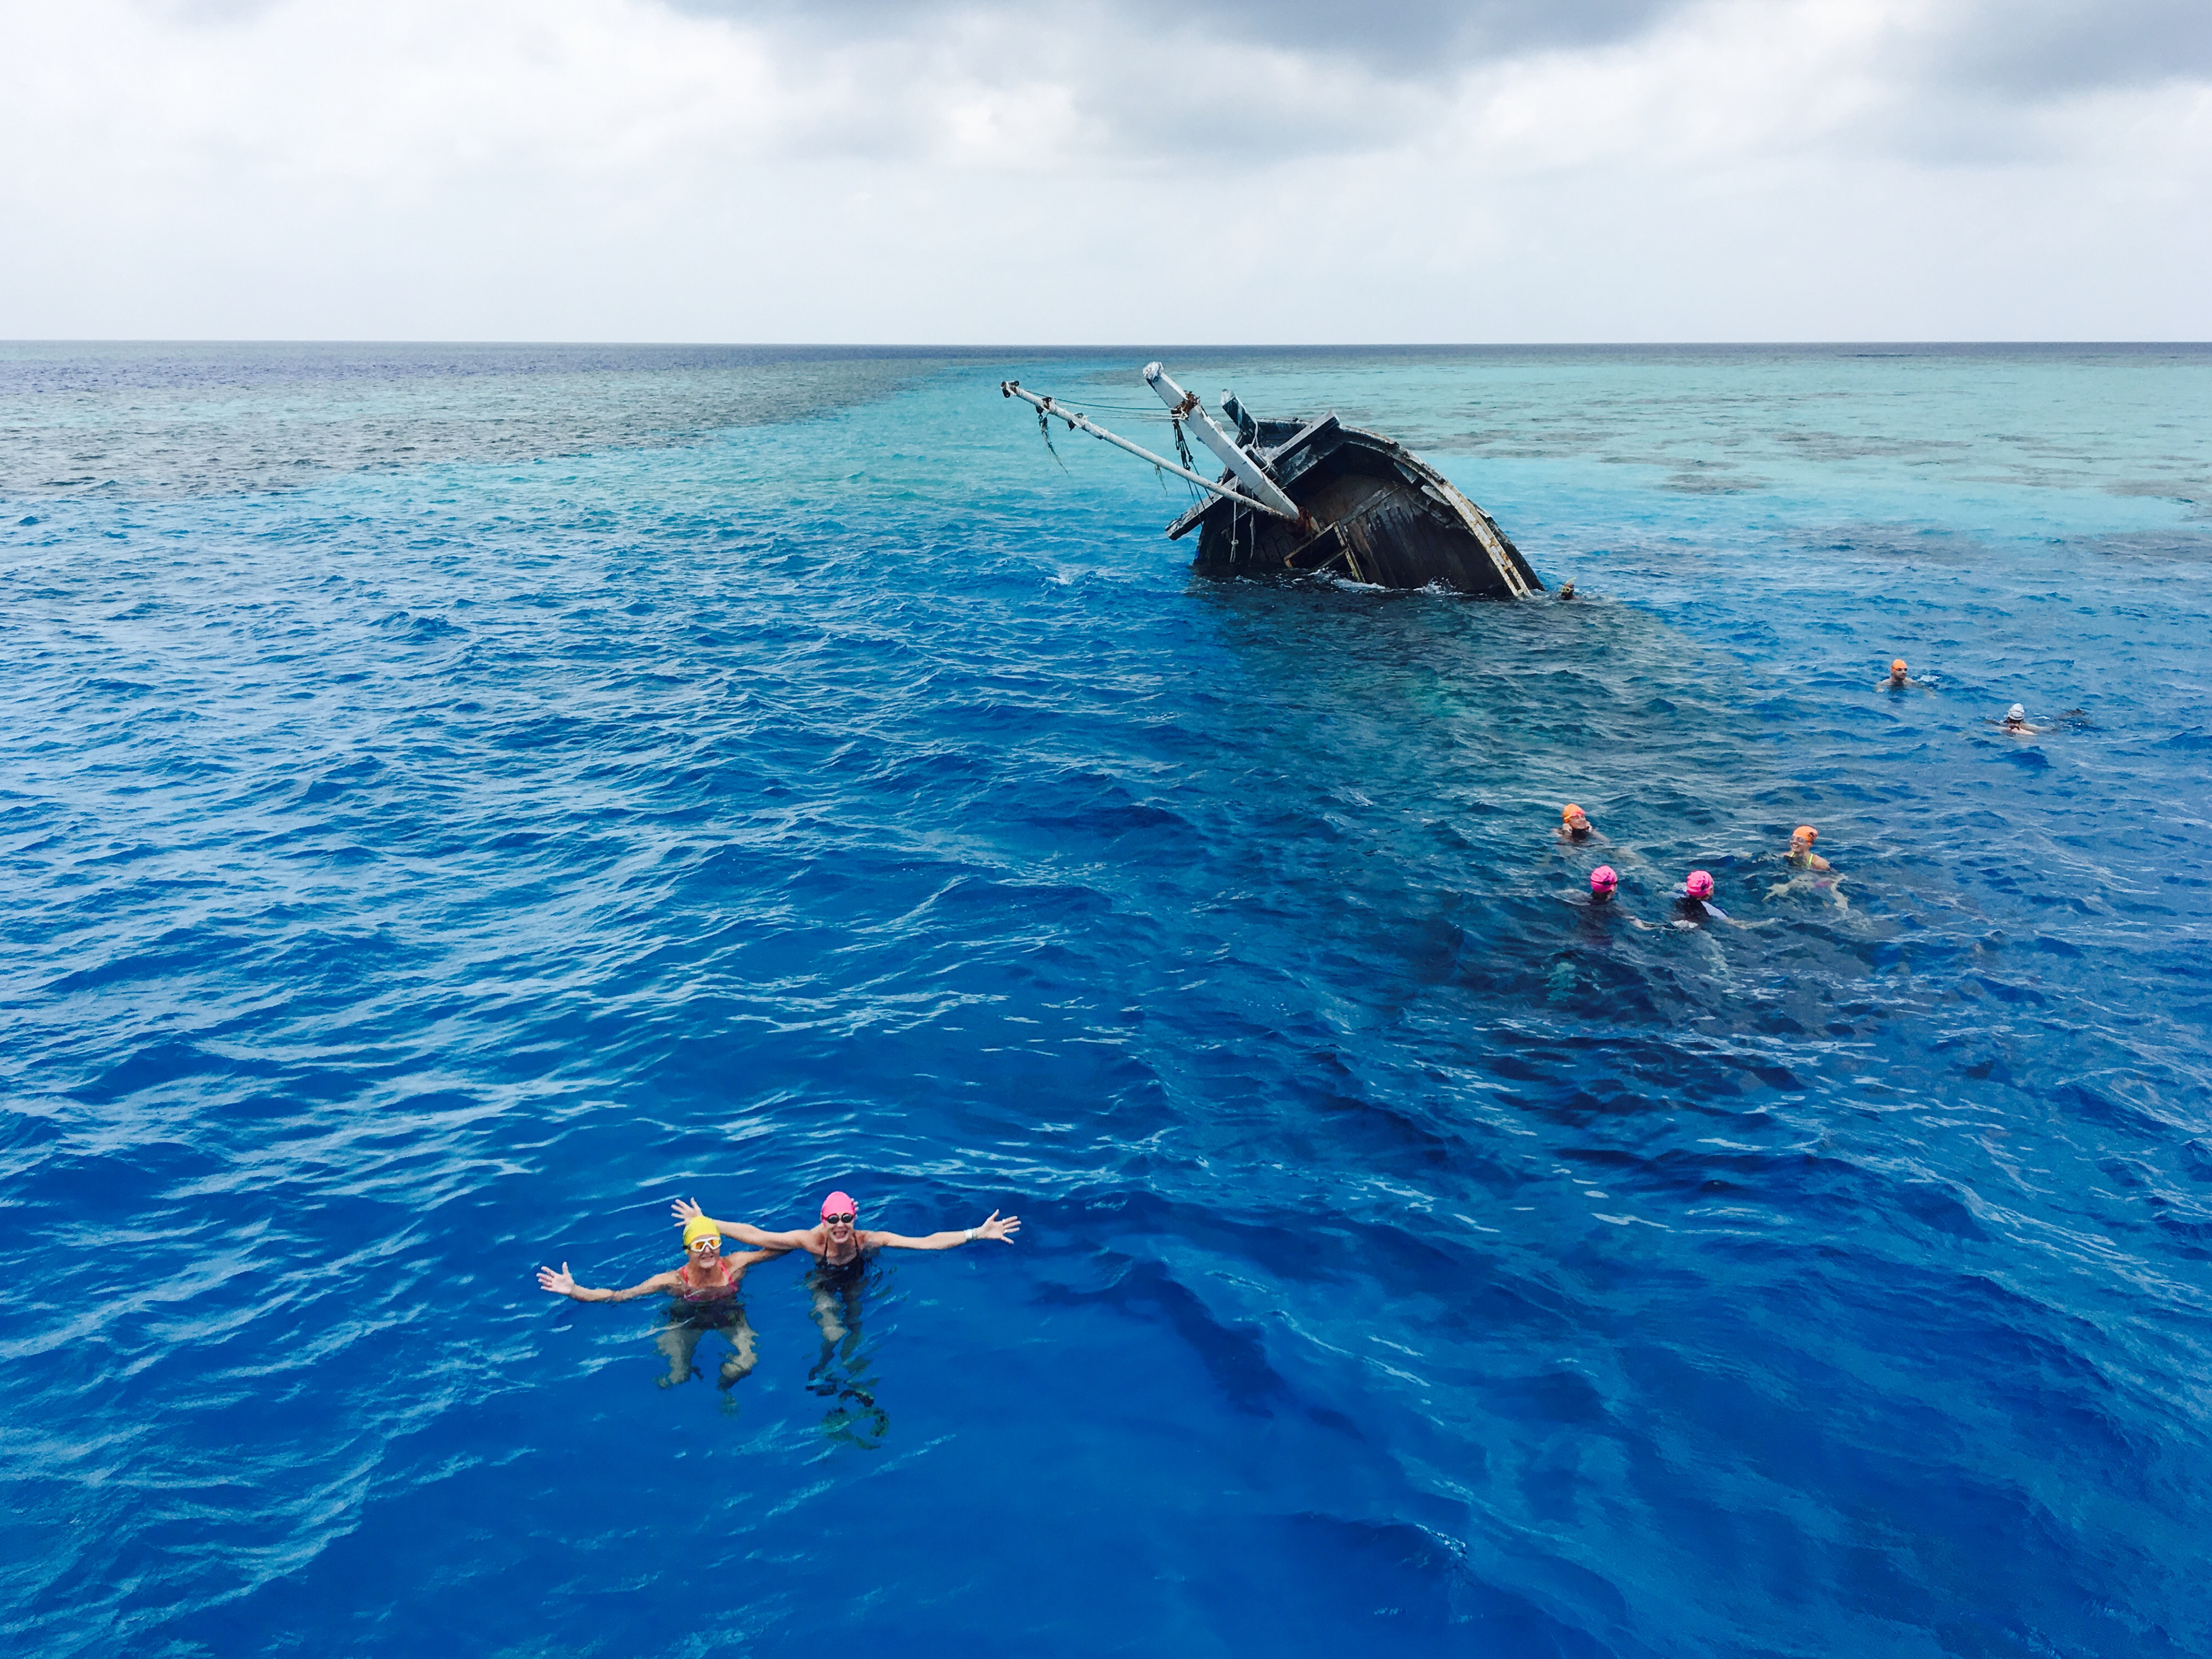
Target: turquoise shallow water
(457, 799)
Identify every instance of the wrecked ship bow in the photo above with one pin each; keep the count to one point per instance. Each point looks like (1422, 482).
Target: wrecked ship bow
(1313, 497)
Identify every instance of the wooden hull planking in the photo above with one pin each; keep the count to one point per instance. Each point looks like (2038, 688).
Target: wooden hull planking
(1371, 511)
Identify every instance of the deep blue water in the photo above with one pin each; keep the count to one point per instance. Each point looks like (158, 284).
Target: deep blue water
(456, 800)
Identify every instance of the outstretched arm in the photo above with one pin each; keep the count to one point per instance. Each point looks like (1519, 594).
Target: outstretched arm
(1747, 927)
(684, 1209)
(997, 1227)
(561, 1284)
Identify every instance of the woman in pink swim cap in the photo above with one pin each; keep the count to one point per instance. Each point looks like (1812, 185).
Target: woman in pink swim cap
(1696, 901)
(1604, 882)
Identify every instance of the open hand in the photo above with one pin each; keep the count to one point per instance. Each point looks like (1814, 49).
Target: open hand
(995, 1227)
(560, 1284)
(685, 1210)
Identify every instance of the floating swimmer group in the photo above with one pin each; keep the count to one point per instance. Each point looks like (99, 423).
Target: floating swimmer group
(1693, 899)
(704, 1292)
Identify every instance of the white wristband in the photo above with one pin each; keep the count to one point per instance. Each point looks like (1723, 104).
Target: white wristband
(968, 1238)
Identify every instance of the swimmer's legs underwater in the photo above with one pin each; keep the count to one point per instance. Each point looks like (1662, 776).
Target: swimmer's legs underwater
(1834, 885)
(744, 1354)
(837, 1311)
(677, 1338)
(841, 1374)
(679, 1341)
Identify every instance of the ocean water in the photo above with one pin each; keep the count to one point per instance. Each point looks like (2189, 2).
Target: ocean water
(456, 800)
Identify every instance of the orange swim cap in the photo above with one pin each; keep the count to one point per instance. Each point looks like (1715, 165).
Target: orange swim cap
(1898, 666)
(1807, 832)
(1571, 811)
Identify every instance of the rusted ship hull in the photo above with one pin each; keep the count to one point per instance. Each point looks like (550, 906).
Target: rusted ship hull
(1370, 509)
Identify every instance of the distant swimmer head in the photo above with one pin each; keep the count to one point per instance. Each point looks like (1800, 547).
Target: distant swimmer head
(1573, 817)
(1699, 885)
(1897, 667)
(699, 1230)
(1805, 833)
(1603, 881)
(2015, 715)
(839, 1209)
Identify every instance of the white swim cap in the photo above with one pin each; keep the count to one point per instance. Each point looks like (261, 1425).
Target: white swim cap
(2015, 713)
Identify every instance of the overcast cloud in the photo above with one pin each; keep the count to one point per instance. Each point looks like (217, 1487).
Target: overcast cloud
(1138, 172)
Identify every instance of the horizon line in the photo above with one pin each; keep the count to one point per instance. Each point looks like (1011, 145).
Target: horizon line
(1098, 346)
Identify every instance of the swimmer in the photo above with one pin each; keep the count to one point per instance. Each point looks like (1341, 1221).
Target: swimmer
(1566, 590)
(1800, 854)
(705, 1289)
(1818, 872)
(1900, 679)
(1696, 902)
(841, 1250)
(2016, 722)
(1574, 824)
(1604, 893)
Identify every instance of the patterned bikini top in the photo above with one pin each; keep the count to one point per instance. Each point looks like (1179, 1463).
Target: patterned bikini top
(694, 1291)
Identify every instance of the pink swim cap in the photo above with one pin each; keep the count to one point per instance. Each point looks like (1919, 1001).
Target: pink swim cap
(1603, 880)
(1699, 885)
(840, 1203)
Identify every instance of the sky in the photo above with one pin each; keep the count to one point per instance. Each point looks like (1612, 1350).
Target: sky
(1054, 171)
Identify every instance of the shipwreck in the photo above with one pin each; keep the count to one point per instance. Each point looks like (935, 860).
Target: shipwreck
(1315, 496)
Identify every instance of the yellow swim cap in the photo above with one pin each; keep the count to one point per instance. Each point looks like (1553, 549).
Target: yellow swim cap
(698, 1228)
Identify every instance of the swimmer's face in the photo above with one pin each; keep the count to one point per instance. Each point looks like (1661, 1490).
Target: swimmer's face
(840, 1227)
(1575, 822)
(707, 1248)
(1800, 843)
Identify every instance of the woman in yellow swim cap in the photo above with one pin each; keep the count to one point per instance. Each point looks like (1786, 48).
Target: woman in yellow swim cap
(705, 1292)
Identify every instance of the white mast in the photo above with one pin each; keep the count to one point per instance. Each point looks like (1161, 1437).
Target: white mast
(1233, 456)
(1079, 422)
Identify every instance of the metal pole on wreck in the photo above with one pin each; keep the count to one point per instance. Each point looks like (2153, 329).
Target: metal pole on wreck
(1080, 423)
(1185, 405)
